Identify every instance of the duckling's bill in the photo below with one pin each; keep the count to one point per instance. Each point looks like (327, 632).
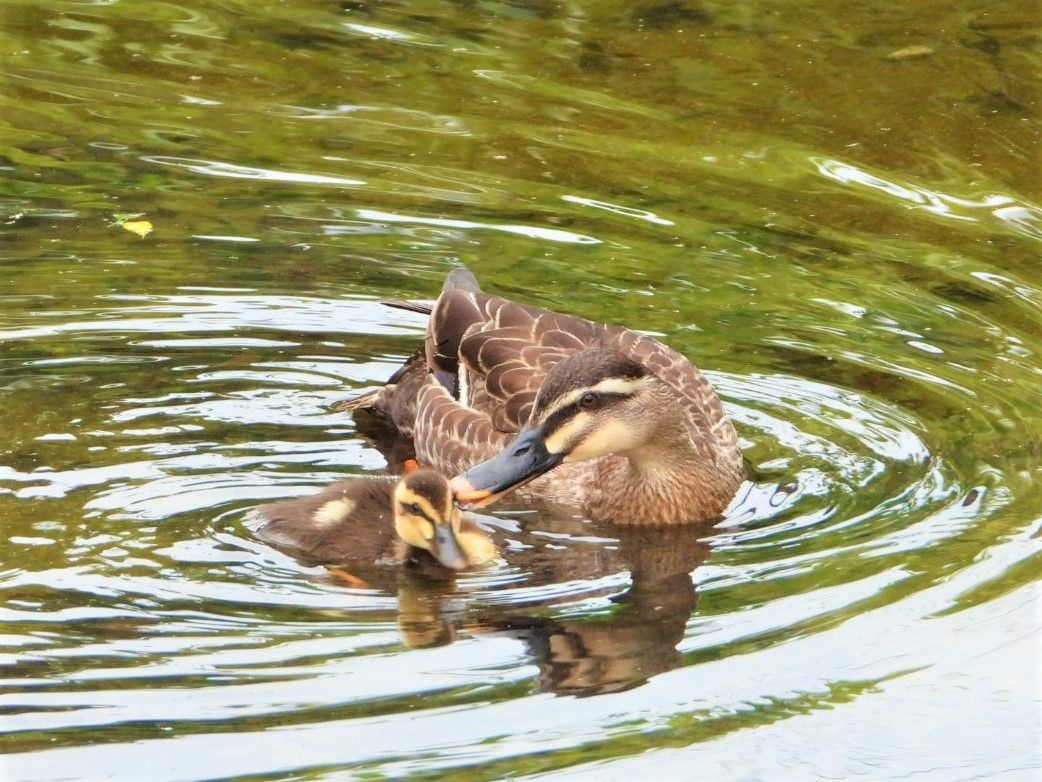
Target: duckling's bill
(446, 548)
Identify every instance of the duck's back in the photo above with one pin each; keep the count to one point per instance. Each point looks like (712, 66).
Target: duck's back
(350, 521)
(499, 351)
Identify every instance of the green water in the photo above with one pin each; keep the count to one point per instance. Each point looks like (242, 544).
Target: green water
(843, 231)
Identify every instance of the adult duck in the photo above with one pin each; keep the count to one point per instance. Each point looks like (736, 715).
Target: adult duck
(509, 396)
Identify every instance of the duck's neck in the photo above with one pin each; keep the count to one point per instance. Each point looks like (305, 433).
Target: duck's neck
(664, 481)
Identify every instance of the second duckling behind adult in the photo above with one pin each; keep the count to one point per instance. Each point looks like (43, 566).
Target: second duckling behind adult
(376, 521)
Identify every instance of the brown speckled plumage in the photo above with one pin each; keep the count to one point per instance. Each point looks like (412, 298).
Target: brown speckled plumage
(486, 359)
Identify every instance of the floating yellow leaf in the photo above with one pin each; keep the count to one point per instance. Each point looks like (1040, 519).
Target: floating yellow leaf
(910, 52)
(140, 227)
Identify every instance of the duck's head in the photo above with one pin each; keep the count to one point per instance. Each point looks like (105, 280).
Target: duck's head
(426, 517)
(591, 404)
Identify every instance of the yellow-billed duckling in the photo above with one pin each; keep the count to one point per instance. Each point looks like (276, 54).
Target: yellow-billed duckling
(378, 521)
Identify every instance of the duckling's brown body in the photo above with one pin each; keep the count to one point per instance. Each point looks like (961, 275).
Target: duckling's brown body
(350, 521)
(359, 522)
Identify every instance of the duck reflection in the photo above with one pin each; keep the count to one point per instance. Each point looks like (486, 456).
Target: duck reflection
(638, 640)
(425, 615)
(604, 653)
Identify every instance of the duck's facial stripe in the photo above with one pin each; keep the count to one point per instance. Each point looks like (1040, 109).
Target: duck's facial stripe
(565, 423)
(610, 435)
(561, 438)
(608, 389)
(412, 504)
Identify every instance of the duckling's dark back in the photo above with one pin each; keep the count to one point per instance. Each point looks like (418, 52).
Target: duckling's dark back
(350, 521)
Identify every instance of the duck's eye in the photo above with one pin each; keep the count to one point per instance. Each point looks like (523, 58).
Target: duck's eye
(589, 399)
(414, 508)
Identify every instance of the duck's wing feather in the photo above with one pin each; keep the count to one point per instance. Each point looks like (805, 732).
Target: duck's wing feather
(503, 349)
(449, 437)
(514, 350)
(506, 369)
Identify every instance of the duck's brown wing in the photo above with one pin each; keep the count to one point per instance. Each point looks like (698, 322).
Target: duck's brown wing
(499, 351)
(449, 437)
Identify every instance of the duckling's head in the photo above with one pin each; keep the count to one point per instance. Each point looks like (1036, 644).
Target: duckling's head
(425, 517)
(591, 404)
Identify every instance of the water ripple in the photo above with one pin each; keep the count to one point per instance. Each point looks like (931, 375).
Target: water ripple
(218, 169)
(857, 274)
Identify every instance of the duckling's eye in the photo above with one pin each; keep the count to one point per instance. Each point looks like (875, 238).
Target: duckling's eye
(589, 399)
(414, 508)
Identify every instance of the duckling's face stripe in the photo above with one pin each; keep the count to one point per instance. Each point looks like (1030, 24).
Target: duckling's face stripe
(333, 512)
(413, 520)
(425, 517)
(427, 489)
(423, 507)
(419, 508)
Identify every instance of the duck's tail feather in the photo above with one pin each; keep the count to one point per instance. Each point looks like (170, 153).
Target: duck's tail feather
(461, 279)
(395, 401)
(409, 306)
(360, 402)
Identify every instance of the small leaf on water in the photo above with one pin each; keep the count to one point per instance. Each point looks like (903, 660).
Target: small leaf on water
(140, 227)
(910, 52)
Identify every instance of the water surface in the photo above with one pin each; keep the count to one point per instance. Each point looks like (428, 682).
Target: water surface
(835, 215)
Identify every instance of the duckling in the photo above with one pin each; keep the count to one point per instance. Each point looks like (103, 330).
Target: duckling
(381, 522)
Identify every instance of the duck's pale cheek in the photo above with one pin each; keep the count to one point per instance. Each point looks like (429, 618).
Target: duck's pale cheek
(559, 439)
(608, 437)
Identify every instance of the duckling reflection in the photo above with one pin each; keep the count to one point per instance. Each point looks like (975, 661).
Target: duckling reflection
(587, 656)
(596, 656)
(425, 615)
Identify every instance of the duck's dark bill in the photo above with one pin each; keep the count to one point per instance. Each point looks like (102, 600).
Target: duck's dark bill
(523, 460)
(446, 548)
